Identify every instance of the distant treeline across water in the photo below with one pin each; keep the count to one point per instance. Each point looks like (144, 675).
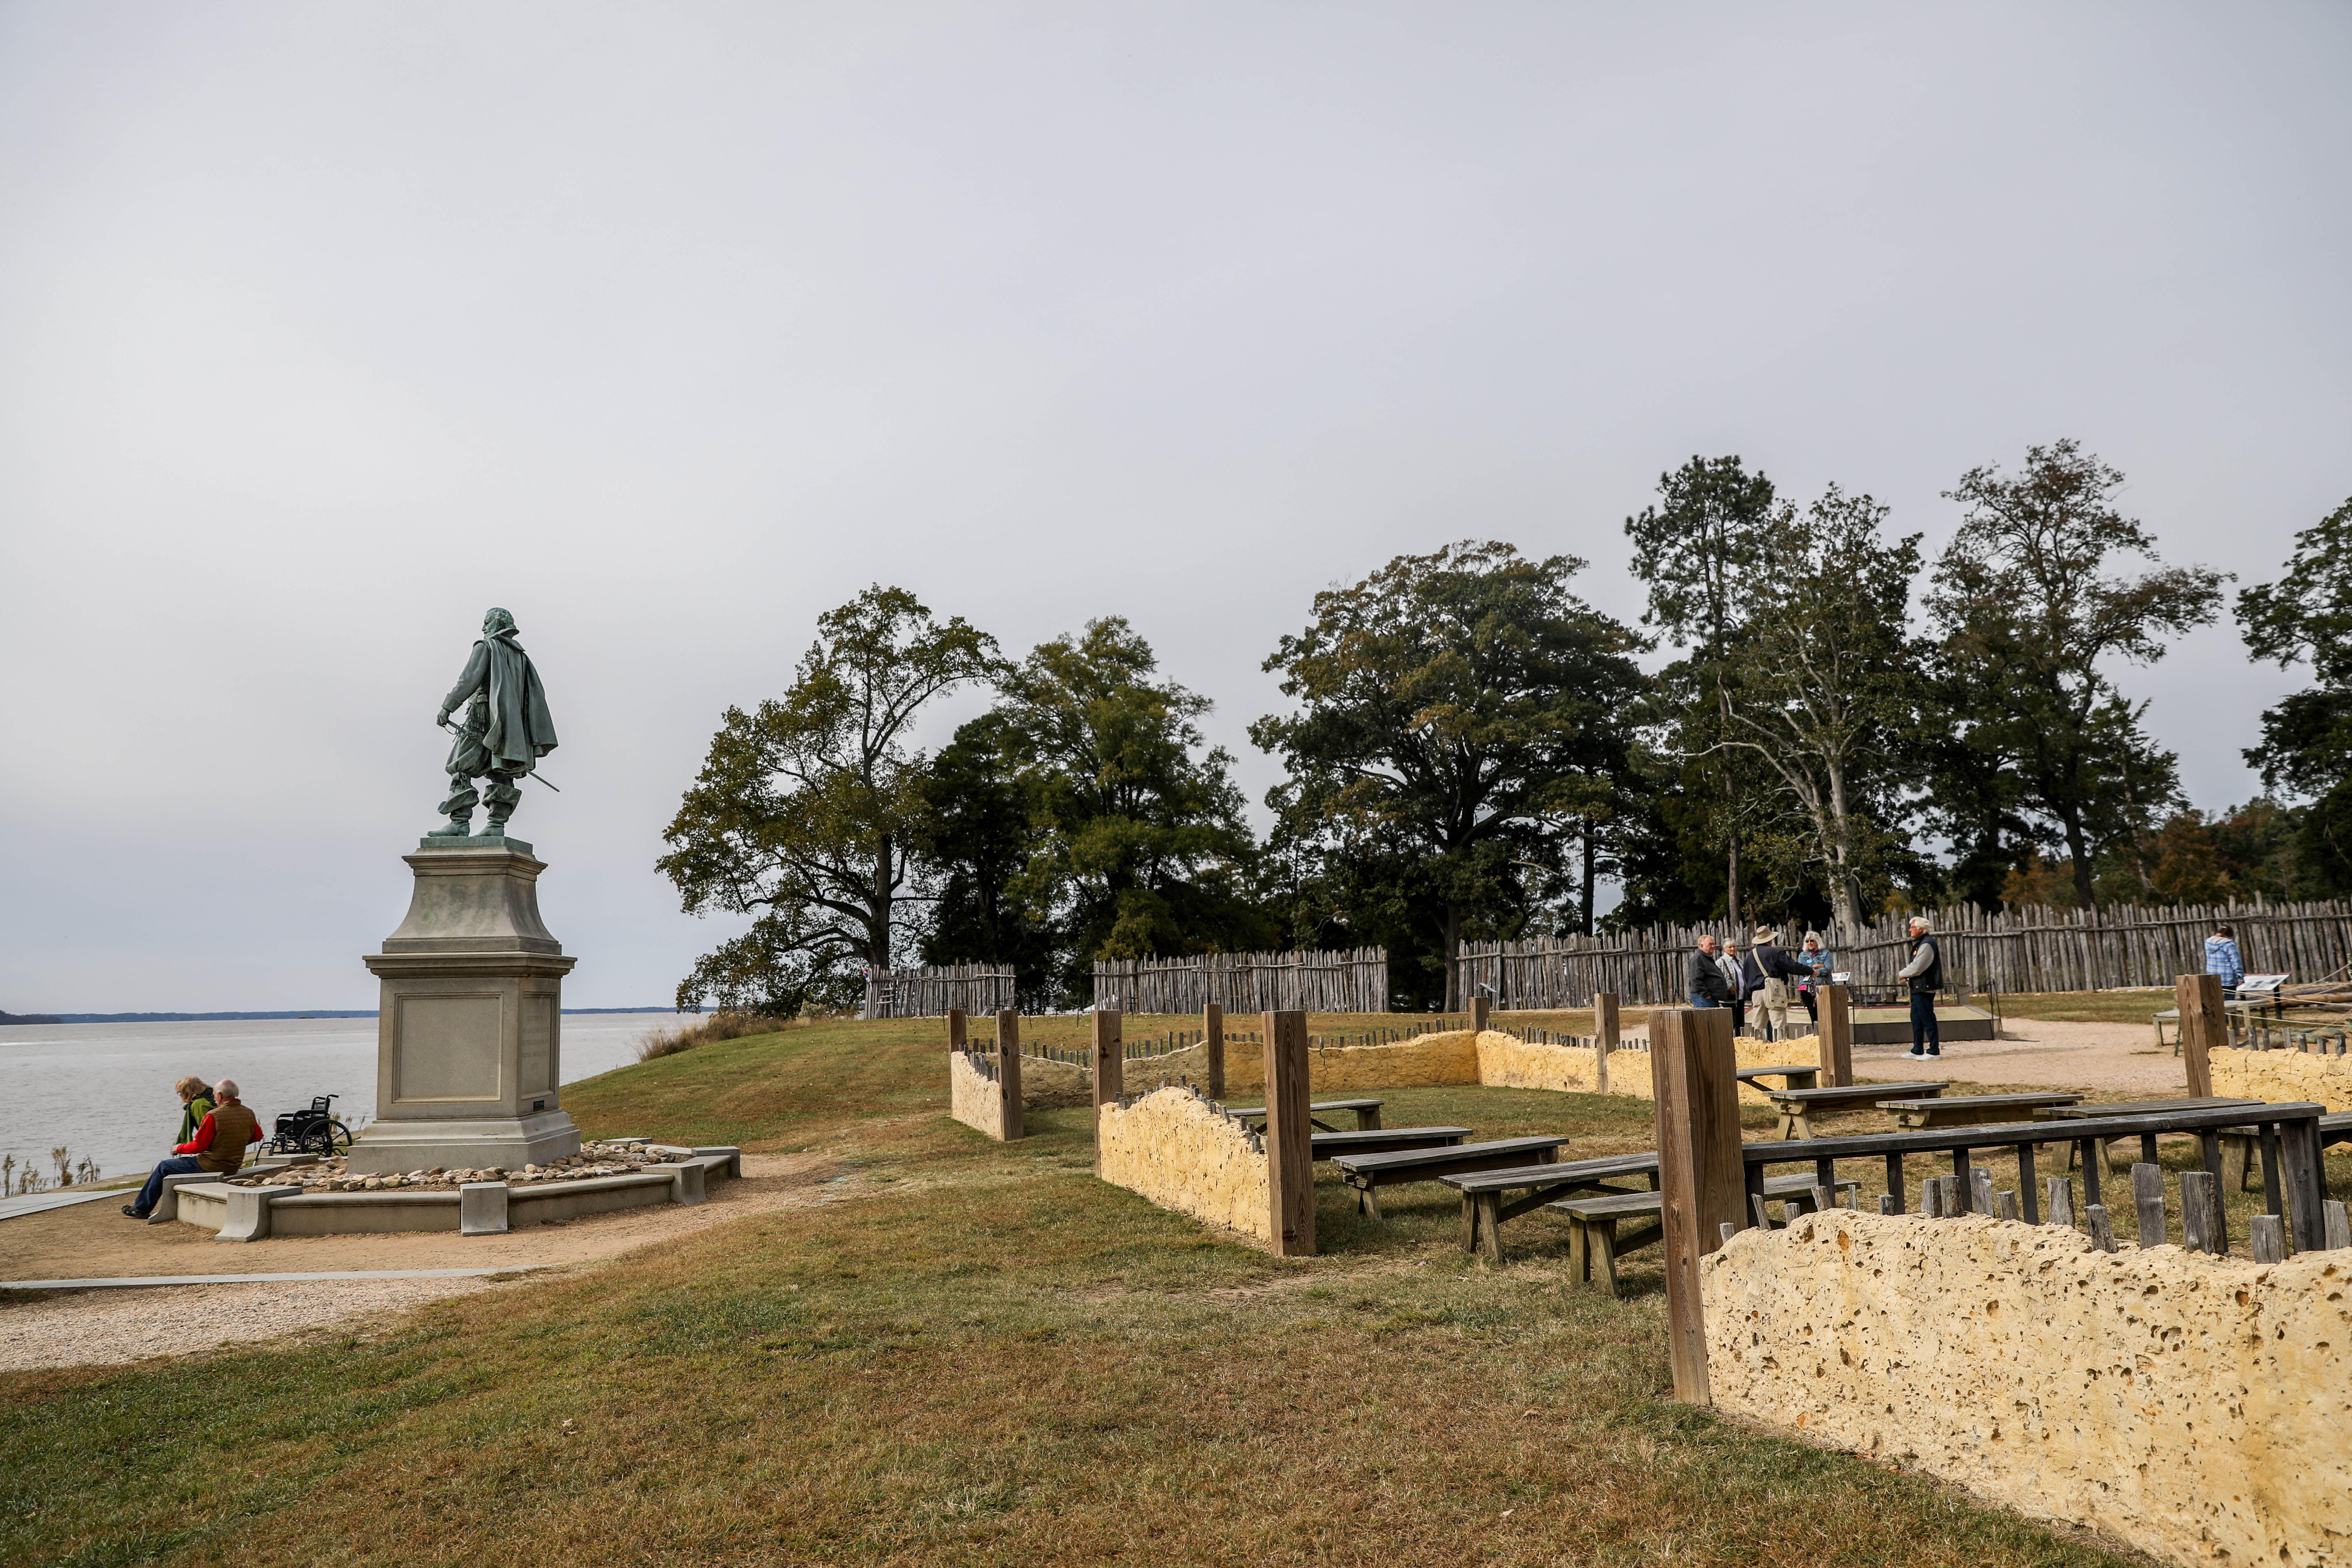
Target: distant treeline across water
(239, 1018)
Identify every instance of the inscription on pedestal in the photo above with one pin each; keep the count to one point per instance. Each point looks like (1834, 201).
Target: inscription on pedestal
(449, 1047)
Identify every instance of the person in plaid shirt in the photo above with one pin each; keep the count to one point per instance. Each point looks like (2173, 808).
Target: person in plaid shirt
(2221, 960)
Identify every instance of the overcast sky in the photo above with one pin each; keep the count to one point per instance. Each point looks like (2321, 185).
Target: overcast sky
(667, 327)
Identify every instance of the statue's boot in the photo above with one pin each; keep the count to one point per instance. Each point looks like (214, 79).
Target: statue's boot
(456, 827)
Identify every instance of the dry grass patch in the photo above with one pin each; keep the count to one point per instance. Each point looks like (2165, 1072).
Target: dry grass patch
(983, 1357)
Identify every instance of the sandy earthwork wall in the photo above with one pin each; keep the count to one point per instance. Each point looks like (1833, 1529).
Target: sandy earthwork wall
(1494, 1060)
(971, 1095)
(1048, 1084)
(1173, 1149)
(2283, 1076)
(1506, 1061)
(2194, 1407)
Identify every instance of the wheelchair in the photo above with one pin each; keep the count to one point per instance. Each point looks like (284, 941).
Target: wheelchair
(317, 1131)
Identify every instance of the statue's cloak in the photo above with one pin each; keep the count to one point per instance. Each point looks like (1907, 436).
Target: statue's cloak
(520, 730)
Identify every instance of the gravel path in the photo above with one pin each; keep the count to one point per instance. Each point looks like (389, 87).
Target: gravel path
(2032, 1054)
(108, 1328)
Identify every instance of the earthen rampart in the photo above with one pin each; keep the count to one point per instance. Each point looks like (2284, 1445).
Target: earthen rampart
(2280, 1077)
(2194, 1407)
(1177, 1149)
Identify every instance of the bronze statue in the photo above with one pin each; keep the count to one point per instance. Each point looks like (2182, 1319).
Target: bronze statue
(505, 729)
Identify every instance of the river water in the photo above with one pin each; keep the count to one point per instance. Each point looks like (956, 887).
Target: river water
(104, 1090)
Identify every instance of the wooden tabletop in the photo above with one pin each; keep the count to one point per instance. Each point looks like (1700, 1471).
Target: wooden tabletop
(1318, 1105)
(1970, 1101)
(1854, 1091)
(2140, 1107)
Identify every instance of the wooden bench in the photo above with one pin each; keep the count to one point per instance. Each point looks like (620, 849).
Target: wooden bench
(1387, 1141)
(2238, 1145)
(1797, 1106)
(1368, 1113)
(1485, 1207)
(1790, 1076)
(1370, 1172)
(1594, 1243)
(1971, 1109)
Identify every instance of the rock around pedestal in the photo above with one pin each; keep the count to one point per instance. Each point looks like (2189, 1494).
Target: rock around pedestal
(468, 1049)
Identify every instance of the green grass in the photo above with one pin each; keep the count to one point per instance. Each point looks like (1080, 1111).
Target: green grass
(977, 1354)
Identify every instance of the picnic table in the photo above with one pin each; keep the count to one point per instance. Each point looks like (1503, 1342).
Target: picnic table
(1797, 1106)
(1370, 1172)
(2081, 1113)
(1485, 1207)
(1594, 1242)
(1971, 1109)
(1368, 1113)
(1790, 1076)
(1387, 1140)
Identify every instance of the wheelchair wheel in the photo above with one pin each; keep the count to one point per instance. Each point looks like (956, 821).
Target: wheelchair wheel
(338, 1138)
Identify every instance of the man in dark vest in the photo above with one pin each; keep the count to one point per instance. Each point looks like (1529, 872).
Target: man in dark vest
(507, 728)
(217, 1148)
(1926, 973)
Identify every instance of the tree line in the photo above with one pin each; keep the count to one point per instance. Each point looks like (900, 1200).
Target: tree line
(1840, 727)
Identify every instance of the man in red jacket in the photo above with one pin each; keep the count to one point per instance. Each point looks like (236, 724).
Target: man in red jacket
(218, 1147)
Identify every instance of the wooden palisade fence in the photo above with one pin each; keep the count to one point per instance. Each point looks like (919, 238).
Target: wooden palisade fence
(1348, 981)
(2030, 949)
(933, 992)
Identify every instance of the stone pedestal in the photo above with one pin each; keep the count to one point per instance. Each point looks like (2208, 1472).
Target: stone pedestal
(468, 1043)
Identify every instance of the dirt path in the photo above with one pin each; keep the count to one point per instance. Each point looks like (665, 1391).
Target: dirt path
(97, 1241)
(108, 1328)
(2096, 1058)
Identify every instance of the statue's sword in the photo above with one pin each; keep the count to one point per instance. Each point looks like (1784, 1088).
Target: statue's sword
(478, 740)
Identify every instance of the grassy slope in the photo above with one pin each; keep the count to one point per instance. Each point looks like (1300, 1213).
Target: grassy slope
(984, 1356)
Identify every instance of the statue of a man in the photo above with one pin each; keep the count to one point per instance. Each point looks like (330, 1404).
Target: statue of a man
(505, 729)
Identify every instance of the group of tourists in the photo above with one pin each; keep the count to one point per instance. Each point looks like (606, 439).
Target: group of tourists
(1764, 978)
(215, 1128)
(1767, 975)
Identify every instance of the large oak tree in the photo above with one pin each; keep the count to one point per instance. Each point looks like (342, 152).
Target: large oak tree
(1460, 717)
(803, 806)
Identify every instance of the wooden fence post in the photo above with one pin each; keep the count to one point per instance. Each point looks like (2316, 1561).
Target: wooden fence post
(1212, 1041)
(1110, 1070)
(1701, 1176)
(1479, 1012)
(1290, 1136)
(955, 1029)
(1012, 1121)
(1837, 1036)
(1604, 1038)
(2204, 1025)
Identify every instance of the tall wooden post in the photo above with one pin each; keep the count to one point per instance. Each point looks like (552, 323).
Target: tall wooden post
(1012, 1121)
(955, 1029)
(1701, 1178)
(1837, 1036)
(1110, 1070)
(1213, 1042)
(1479, 1010)
(1290, 1136)
(1604, 1038)
(2204, 1026)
